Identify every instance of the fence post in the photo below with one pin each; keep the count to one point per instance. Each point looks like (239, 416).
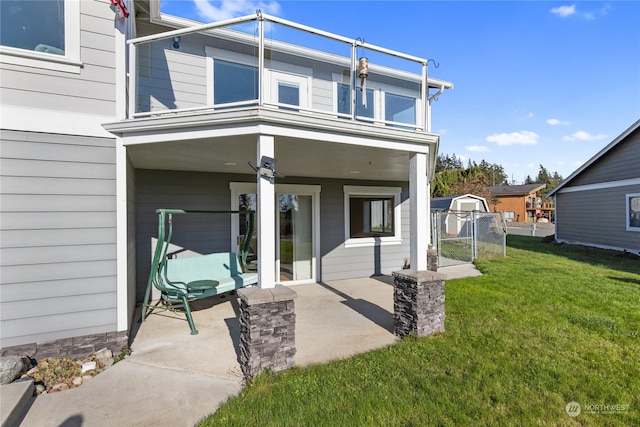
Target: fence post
(474, 240)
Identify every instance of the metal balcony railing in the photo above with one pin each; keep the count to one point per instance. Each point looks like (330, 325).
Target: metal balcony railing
(264, 61)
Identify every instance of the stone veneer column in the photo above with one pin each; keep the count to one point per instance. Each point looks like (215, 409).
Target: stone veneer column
(432, 260)
(267, 329)
(418, 303)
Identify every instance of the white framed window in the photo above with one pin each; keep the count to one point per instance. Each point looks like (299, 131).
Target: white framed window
(287, 89)
(232, 78)
(41, 34)
(385, 103)
(372, 215)
(509, 216)
(633, 211)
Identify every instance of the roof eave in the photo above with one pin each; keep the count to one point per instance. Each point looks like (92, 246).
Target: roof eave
(598, 155)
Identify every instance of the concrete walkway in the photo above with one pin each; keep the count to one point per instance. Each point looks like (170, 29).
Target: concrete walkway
(174, 379)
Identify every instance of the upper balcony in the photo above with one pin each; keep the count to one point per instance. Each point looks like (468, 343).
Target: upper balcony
(268, 63)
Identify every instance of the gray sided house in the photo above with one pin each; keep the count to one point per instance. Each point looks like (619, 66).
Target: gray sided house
(599, 204)
(59, 82)
(128, 115)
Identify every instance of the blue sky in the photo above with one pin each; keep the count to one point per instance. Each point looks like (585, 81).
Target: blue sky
(536, 82)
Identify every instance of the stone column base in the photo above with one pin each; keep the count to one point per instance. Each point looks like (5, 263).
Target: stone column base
(267, 329)
(432, 260)
(418, 303)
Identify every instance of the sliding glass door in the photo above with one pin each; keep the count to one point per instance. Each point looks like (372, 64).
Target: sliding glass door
(296, 229)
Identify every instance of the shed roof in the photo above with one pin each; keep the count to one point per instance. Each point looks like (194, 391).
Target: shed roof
(444, 203)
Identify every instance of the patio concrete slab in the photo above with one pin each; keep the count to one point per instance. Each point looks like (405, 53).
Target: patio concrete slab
(339, 319)
(173, 378)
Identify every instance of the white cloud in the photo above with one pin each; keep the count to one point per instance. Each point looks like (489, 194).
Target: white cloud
(564, 11)
(228, 9)
(605, 9)
(556, 122)
(525, 137)
(477, 148)
(442, 132)
(584, 136)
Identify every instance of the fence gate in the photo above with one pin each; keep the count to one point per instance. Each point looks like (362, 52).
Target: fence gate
(462, 236)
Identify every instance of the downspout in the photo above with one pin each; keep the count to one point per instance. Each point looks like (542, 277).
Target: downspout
(430, 99)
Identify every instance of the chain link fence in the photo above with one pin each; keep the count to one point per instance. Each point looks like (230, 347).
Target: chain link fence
(463, 236)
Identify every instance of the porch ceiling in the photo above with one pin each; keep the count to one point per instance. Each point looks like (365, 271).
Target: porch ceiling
(296, 157)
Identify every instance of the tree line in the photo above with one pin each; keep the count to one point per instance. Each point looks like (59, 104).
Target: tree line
(453, 178)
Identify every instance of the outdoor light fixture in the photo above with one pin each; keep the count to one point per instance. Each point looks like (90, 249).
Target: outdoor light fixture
(267, 169)
(176, 42)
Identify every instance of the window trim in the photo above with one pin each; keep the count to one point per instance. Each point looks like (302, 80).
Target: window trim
(627, 199)
(212, 54)
(277, 72)
(302, 82)
(237, 188)
(395, 192)
(69, 62)
(380, 91)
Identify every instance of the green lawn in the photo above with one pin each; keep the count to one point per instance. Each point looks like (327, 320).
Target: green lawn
(546, 326)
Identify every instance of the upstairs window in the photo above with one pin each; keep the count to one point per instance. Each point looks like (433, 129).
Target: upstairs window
(385, 103)
(41, 33)
(344, 101)
(233, 82)
(289, 88)
(33, 25)
(400, 109)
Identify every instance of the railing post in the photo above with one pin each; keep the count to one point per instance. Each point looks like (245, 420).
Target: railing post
(133, 90)
(261, 88)
(353, 80)
(425, 98)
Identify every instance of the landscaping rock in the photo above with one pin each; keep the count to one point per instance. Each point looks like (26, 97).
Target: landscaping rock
(10, 368)
(104, 357)
(89, 366)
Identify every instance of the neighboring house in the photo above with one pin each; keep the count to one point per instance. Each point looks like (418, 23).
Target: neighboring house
(98, 133)
(458, 208)
(521, 203)
(599, 204)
